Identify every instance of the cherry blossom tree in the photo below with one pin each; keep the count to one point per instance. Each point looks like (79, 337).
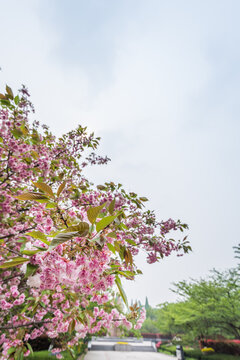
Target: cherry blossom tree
(65, 244)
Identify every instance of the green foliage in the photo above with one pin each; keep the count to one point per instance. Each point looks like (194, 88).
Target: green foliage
(112, 206)
(61, 188)
(93, 213)
(39, 236)
(237, 254)
(147, 306)
(205, 309)
(130, 333)
(102, 224)
(149, 327)
(46, 355)
(13, 262)
(208, 308)
(31, 270)
(44, 187)
(62, 237)
(150, 324)
(120, 289)
(195, 353)
(31, 196)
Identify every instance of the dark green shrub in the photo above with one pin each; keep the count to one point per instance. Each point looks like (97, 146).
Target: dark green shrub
(196, 354)
(222, 347)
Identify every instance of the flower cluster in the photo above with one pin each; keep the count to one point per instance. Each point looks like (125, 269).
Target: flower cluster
(65, 245)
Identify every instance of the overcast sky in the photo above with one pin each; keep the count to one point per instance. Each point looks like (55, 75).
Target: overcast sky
(159, 81)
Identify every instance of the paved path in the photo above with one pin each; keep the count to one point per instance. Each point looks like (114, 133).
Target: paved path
(126, 355)
(110, 343)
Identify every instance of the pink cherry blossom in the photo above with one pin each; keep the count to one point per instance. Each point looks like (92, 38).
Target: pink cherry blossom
(62, 282)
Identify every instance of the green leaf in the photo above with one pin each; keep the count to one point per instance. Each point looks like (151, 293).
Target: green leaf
(51, 205)
(120, 289)
(102, 224)
(13, 262)
(93, 212)
(61, 188)
(61, 238)
(131, 242)
(30, 252)
(37, 235)
(35, 139)
(17, 133)
(16, 100)
(31, 270)
(82, 228)
(127, 274)
(24, 129)
(5, 102)
(54, 233)
(101, 187)
(71, 326)
(34, 154)
(128, 256)
(123, 226)
(31, 196)
(18, 354)
(42, 201)
(91, 229)
(41, 248)
(20, 333)
(9, 92)
(117, 246)
(112, 206)
(44, 187)
(112, 235)
(11, 350)
(111, 248)
(30, 348)
(143, 199)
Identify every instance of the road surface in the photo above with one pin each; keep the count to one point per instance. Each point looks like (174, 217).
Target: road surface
(126, 355)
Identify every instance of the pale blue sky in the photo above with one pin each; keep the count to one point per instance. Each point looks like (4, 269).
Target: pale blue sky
(159, 81)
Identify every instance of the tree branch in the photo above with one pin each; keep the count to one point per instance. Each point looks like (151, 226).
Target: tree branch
(33, 323)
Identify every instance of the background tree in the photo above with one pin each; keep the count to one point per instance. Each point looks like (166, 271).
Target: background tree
(149, 325)
(206, 308)
(147, 306)
(237, 254)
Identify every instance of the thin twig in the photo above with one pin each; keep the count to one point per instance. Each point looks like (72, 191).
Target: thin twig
(24, 325)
